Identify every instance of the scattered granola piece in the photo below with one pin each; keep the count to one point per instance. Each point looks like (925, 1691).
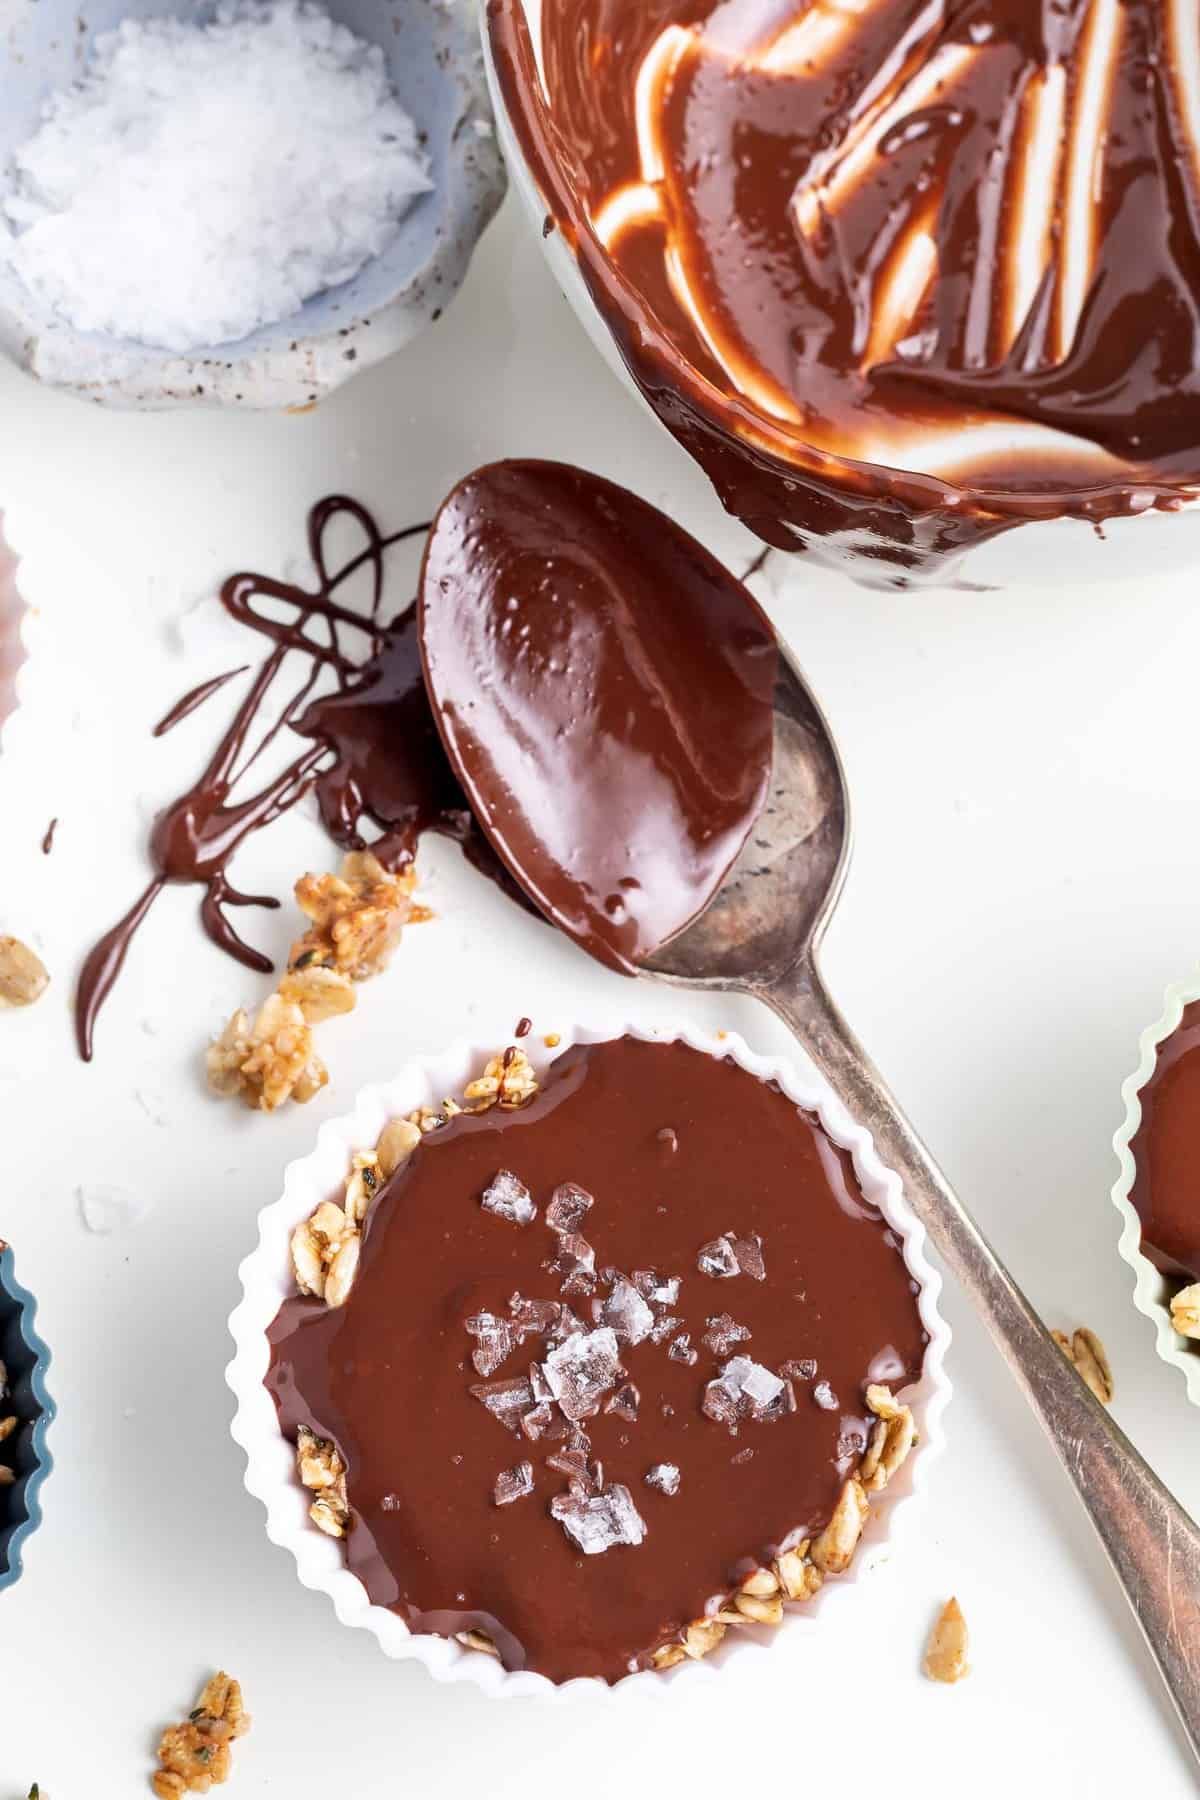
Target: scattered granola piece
(397, 1142)
(323, 1472)
(508, 1080)
(23, 977)
(836, 1545)
(325, 1246)
(195, 1754)
(269, 1062)
(891, 1440)
(946, 1651)
(1185, 1311)
(358, 917)
(1090, 1358)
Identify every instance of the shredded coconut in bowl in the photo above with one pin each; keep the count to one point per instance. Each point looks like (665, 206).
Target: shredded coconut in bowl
(205, 180)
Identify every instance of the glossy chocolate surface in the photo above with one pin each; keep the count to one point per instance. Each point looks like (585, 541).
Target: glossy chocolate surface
(1166, 1153)
(677, 1148)
(604, 689)
(862, 258)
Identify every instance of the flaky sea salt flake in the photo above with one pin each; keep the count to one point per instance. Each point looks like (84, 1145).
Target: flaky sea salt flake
(624, 1403)
(664, 1477)
(508, 1198)
(568, 1204)
(507, 1401)
(513, 1484)
(599, 1522)
(723, 1333)
(718, 1260)
(749, 1254)
(496, 1341)
(626, 1312)
(107, 1210)
(582, 1370)
(659, 1290)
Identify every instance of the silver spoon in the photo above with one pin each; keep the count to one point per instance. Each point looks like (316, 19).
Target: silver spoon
(760, 936)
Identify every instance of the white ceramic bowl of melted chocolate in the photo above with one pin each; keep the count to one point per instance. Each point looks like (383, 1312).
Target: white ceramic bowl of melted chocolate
(1094, 261)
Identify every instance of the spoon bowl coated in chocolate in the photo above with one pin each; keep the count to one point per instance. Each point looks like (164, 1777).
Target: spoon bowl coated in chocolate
(760, 936)
(588, 759)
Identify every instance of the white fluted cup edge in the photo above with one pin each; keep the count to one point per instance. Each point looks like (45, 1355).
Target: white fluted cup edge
(266, 1281)
(1151, 1289)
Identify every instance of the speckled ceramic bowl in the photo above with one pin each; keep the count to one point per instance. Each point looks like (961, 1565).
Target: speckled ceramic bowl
(26, 1359)
(433, 53)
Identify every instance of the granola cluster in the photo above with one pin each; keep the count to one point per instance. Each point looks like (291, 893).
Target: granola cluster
(1185, 1311)
(195, 1754)
(799, 1572)
(1084, 1349)
(8, 1426)
(357, 919)
(23, 977)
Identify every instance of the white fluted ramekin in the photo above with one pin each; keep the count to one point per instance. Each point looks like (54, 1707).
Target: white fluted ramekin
(1151, 1289)
(266, 1279)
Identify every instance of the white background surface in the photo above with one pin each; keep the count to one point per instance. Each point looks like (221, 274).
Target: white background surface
(1022, 766)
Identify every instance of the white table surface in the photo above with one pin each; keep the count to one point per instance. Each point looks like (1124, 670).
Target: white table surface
(1026, 881)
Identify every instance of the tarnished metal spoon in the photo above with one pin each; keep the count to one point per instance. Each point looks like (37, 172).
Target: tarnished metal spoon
(760, 935)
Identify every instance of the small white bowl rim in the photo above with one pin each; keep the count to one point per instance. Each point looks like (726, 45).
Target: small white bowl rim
(1150, 1287)
(265, 1278)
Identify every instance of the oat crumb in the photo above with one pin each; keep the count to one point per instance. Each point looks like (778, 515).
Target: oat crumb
(1185, 1311)
(195, 1754)
(1085, 1351)
(23, 977)
(946, 1651)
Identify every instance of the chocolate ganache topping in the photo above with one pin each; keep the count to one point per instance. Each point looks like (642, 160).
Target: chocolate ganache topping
(602, 1355)
(1166, 1153)
(898, 274)
(604, 689)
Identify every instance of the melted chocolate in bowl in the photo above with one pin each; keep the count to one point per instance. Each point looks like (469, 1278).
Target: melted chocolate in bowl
(677, 1148)
(604, 690)
(900, 274)
(1166, 1153)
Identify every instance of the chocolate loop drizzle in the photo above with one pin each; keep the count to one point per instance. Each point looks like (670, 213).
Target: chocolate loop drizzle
(362, 761)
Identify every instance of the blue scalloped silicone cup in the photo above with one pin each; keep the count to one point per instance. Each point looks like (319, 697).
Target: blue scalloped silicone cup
(27, 1359)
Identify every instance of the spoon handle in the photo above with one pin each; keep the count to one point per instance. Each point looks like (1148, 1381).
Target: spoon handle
(1152, 1543)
